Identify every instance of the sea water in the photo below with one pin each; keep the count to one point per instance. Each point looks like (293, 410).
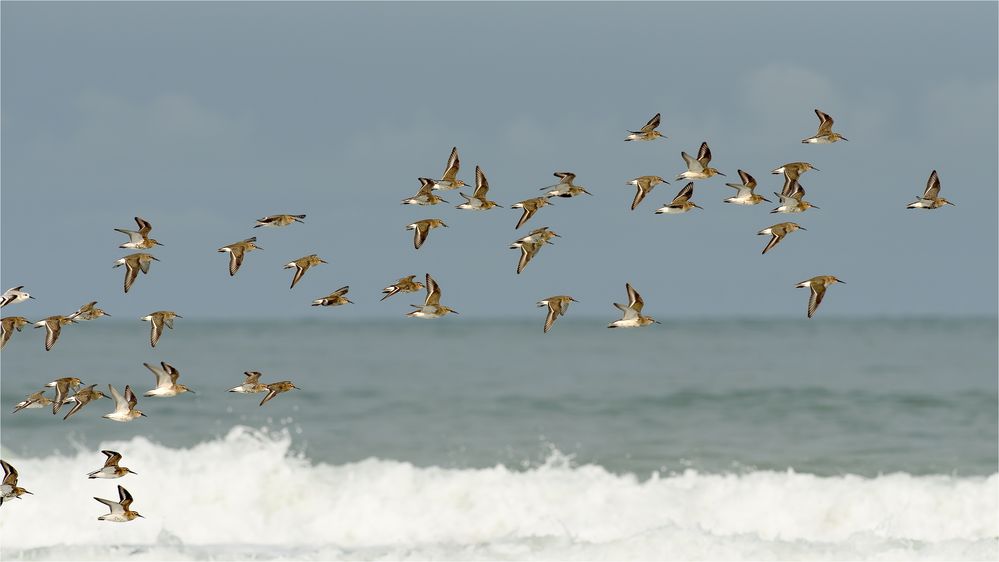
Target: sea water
(471, 439)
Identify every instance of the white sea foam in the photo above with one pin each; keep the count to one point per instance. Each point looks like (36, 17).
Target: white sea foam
(245, 496)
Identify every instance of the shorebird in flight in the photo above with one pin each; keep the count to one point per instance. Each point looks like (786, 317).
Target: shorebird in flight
(422, 230)
(432, 307)
(111, 468)
(931, 197)
(237, 250)
(139, 239)
(530, 206)
(793, 170)
(336, 298)
(778, 232)
(156, 321)
(121, 510)
(302, 265)
(648, 132)
(124, 406)
(403, 285)
(745, 194)
(825, 135)
(557, 305)
(134, 263)
(565, 187)
(527, 252)
(7, 326)
(632, 313)
(697, 168)
(275, 388)
(251, 384)
(88, 311)
(166, 381)
(644, 185)
(279, 220)
(9, 489)
(681, 203)
(543, 234)
(425, 196)
(82, 397)
(62, 387)
(450, 179)
(53, 327)
(791, 198)
(35, 400)
(14, 295)
(478, 201)
(818, 286)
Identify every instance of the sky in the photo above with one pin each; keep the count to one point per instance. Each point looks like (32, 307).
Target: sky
(202, 118)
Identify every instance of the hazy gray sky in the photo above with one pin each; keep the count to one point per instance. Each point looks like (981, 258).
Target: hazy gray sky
(202, 118)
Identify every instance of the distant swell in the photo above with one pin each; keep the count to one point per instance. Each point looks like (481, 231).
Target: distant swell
(247, 496)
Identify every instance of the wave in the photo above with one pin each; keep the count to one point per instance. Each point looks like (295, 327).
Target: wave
(247, 495)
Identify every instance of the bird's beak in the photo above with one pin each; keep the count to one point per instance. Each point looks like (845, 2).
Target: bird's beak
(158, 244)
(27, 492)
(844, 138)
(696, 206)
(155, 258)
(658, 322)
(767, 200)
(142, 516)
(191, 391)
(257, 247)
(721, 174)
(143, 415)
(454, 312)
(949, 203)
(444, 225)
(802, 228)
(106, 314)
(323, 261)
(179, 316)
(816, 169)
(814, 207)
(841, 281)
(132, 471)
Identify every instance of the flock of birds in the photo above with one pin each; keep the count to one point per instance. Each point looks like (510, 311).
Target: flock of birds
(70, 390)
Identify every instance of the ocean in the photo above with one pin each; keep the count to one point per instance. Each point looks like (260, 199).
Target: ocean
(460, 438)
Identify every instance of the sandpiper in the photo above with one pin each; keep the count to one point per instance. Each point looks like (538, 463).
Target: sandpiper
(166, 381)
(791, 198)
(422, 230)
(745, 194)
(543, 234)
(237, 250)
(279, 220)
(111, 468)
(134, 263)
(9, 489)
(251, 384)
(697, 168)
(530, 206)
(88, 311)
(425, 196)
(124, 406)
(35, 400)
(681, 203)
(432, 307)
(565, 187)
(8, 325)
(478, 200)
(275, 388)
(644, 185)
(121, 510)
(14, 295)
(403, 285)
(818, 286)
(140, 239)
(793, 170)
(53, 327)
(450, 178)
(825, 134)
(302, 265)
(931, 197)
(82, 397)
(156, 321)
(336, 298)
(527, 252)
(632, 314)
(778, 232)
(648, 132)
(557, 305)
(62, 387)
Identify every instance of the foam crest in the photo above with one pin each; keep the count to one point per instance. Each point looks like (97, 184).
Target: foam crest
(248, 490)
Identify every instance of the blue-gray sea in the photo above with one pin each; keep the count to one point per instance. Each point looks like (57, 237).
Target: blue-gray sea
(461, 438)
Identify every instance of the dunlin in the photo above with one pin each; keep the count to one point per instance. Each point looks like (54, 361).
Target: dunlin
(478, 200)
(62, 387)
(82, 397)
(422, 230)
(565, 187)
(697, 168)
(791, 198)
(239, 249)
(648, 132)
(53, 327)
(121, 510)
(530, 206)
(336, 298)
(124, 406)
(425, 196)
(825, 134)
(432, 307)
(111, 468)
(88, 311)
(166, 381)
(745, 194)
(543, 234)
(251, 384)
(156, 321)
(644, 185)
(302, 265)
(818, 286)
(557, 305)
(134, 263)
(793, 170)
(14, 295)
(778, 232)
(275, 388)
(450, 178)
(8, 325)
(403, 285)
(9, 489)
(681, 203)
(632, 314)
(527, 252)
(140, 239)
(931, 197)
(279, 220)
(35, 400)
